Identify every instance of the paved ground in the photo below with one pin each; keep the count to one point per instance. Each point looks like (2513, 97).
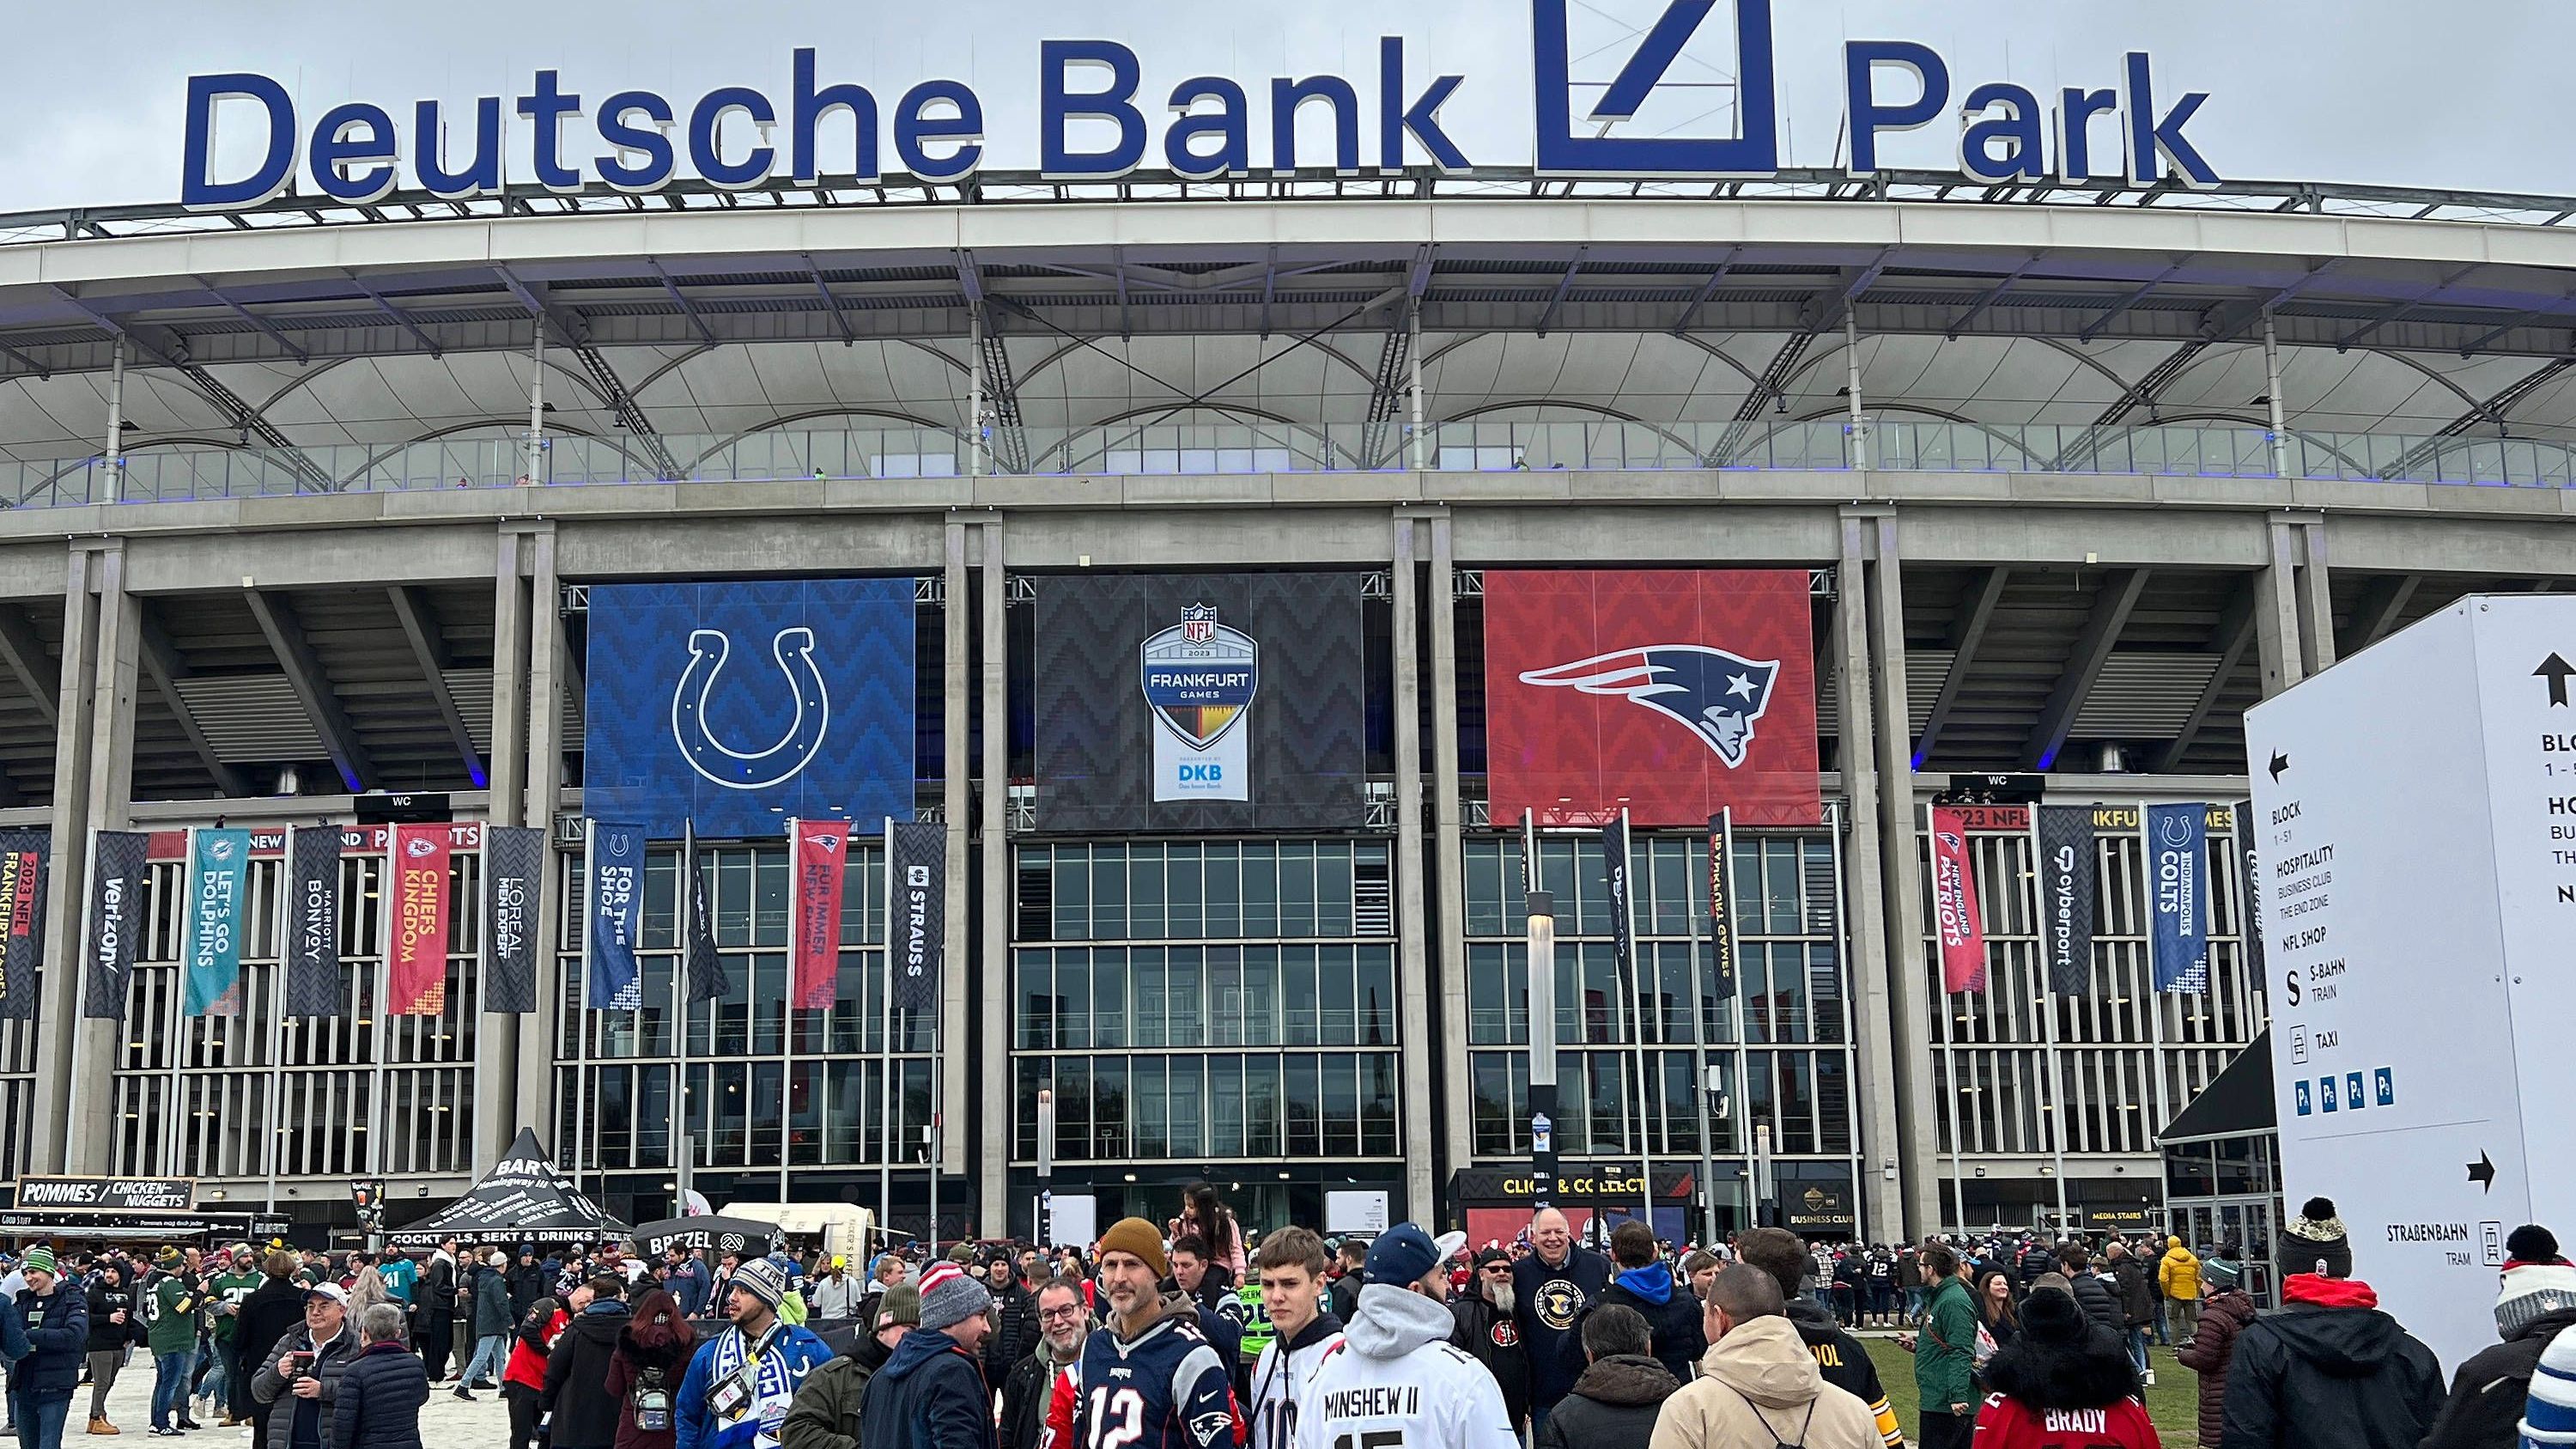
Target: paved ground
(446, 1423)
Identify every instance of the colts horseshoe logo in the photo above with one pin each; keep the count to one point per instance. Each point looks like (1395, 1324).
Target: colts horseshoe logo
(777, 762)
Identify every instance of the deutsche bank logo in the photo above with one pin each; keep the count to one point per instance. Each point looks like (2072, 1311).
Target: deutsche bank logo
(1754, 149)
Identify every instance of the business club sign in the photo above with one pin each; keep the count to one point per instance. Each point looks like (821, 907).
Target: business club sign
(1097, 120)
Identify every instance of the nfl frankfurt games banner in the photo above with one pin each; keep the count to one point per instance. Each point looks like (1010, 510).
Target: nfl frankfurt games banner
(25, 856)
(733, 705)
(416, 967)
(1721, 905)
(615, 868)
(1200, 702)
(2178, 884)
(1673, 692)
(119, 861)
(514, 861)
(1962, 932)
(1615, 877)
(821, 849)
(218, 870)
(2066, 866)
(312, 922)
(917, 912)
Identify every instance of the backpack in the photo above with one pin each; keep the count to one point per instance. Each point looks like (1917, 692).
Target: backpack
(650, 1402)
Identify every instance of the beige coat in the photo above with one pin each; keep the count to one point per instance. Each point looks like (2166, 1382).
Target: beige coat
(1753, 1392)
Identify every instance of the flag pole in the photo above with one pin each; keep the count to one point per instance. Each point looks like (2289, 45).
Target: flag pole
(89, 963)
(2155, 1002)
(885, 1053)
(684, 989)
(277, 1013)
(581, 1030)
(179, 1000)
(787, 1017)
(388, 903)
(2048, 1015)
(1636, 987)
(1950, 1024)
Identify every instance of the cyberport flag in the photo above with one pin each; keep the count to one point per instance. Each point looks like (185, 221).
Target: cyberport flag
(513, 862)
(120, 859)
(616, 876)
(25, 858)
(2066, 897)
(312, 922)
(2178, 883)
(917, 915)
(416, 967)
(1954, 904)
(218, 873)
(821, 849)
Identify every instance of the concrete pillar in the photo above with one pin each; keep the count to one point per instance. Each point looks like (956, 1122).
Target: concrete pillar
(2272, 393)
(1412, 921)
(954, 719)
(1893, 728)
(496, 1080)
(1887, 1215)
(73, 1112)
(2276, 609)
(2316, 599)
(996, 823)
(545, 764)
(1448, 829)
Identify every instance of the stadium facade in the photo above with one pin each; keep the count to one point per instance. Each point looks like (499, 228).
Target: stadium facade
(313, 501)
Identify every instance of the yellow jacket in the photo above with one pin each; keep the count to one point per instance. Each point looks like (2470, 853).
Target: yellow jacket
(2179, 1271)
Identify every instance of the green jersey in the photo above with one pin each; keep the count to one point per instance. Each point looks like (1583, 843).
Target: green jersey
(1256, 1321)
(227, 1292)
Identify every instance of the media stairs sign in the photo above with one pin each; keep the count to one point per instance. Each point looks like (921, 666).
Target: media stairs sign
(1096, 121)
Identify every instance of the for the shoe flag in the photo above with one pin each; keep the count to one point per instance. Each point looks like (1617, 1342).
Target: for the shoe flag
(25, 861)
(917, 913)
(119, 860)
(822, 850)
(616, 917)
(514, 858)
(2066, 897)
(1956, 923)
(218, 874)
(312, 922)
(416, 968)
(2178, 885)
(1675, 693)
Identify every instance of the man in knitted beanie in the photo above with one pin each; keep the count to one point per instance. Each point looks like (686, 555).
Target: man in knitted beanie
(2536, 1304)
(1184, 1391)
(742, 1381)
(931, 1392)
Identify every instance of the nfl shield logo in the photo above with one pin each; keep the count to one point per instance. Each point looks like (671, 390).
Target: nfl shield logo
(1198, 622)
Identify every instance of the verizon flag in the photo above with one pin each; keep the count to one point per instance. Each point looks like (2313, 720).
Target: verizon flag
(115, 918)
(417, 965)
(822, 847)
(1954, 905)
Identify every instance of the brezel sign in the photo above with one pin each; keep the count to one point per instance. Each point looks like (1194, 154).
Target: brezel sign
(358, 152)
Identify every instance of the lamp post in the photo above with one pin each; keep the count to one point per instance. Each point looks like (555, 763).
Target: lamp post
(1040, 1231)
(1542, 1064)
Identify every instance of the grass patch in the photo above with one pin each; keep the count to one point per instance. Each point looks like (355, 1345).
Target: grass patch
(2173, 1400)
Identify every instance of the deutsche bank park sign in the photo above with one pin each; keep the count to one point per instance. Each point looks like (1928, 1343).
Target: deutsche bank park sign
(1096, 122)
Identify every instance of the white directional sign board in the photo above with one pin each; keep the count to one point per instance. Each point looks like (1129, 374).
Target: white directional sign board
(2415, 828)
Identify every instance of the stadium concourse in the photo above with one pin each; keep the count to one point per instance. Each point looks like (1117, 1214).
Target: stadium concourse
(945, 696)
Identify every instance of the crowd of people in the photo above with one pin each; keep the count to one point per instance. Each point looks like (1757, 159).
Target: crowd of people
(1194, 1334)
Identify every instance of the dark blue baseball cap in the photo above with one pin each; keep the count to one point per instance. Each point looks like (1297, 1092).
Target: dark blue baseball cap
(1406, 1254)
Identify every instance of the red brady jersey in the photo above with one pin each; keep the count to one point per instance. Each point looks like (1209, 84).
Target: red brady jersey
(2011, 1424)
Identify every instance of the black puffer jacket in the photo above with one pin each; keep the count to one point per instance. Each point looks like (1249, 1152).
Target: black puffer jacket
(2488, 1393)
(2330, 1371)
(2137, 1284)
(2061, 1360)
(381, 1394)
(2100, 1302)
(1612, 1406)
(1673, 1324)
(576, 1391)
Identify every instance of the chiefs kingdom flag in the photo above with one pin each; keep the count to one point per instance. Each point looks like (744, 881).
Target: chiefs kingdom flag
(1673, 692)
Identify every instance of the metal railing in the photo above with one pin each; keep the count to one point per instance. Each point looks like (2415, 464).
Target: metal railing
(200, 471)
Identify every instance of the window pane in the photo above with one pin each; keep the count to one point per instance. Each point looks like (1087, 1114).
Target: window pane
(1145, 919)
(1305, 1107)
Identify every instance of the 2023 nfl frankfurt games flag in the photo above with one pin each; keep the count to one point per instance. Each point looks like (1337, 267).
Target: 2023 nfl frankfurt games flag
(1673, 692)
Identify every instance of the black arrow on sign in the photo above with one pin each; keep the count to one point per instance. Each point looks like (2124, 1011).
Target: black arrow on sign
(2482, 1172)
(2555, 669)
(2280, 762)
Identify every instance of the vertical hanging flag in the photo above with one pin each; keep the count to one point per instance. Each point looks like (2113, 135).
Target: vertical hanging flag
(218, 866)
(1614, 875)
(616, 917)
(917, 912)
(2066, 866)
(1954, 904)
(416, 968)
(708, 980)
(1721, 901)
(822, 847)
(514, 862)
(24, 858)
(118, 862)
(2177, 881)
(312, 922)
(2248, 863)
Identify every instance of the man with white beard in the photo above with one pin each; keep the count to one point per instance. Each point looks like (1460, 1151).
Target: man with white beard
(1486, 1331)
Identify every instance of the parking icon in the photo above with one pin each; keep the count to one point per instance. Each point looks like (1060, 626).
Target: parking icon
(2299, 1091)
(2352, 1089)
(2326, 1089)
(2384, 1083)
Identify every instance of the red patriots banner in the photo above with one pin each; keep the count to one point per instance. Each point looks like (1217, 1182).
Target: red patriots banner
(822, 847)
(417, 973)
(1955, 920)
(1674, 692)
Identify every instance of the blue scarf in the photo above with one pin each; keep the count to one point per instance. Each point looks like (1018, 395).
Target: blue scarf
(1653, 1282)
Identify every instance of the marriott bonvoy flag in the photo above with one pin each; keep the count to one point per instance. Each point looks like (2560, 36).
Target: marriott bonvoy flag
(312, 922)
(1673, 692)
(2178, 886)
(218, 872)
(416, 967)
(822, 848)
(1955, 921)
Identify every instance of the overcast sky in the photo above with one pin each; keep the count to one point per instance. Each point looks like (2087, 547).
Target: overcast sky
(2464, 94)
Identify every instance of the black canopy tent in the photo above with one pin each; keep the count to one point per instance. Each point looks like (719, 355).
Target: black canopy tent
(2222, 1161)
(525, 1198)
(714, 1234)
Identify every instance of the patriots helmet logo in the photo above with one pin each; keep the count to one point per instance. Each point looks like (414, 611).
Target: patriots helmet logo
(1715, 694)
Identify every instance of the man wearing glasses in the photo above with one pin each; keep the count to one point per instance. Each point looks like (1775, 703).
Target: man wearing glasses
(1487, 1332)
(1063, 1324)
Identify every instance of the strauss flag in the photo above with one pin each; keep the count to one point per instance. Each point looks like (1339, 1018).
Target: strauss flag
(1673, 692)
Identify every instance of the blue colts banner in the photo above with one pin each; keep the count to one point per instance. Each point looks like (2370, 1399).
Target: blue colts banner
(736, 707)
(616, 872)
(2178, 884)
(218, 877)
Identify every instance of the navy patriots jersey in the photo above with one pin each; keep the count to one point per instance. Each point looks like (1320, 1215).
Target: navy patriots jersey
(1167, 1388)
